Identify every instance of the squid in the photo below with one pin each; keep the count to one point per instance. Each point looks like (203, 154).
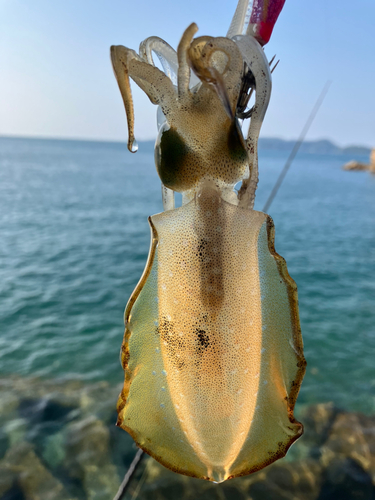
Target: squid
(212, 351)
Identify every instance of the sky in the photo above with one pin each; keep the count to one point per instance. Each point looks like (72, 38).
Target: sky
(56, 78)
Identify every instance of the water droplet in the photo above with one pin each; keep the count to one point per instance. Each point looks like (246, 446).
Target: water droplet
(157, 350)
(154, 373)
(134, 146)
(164, 372)
(162, 405)
(163, 388)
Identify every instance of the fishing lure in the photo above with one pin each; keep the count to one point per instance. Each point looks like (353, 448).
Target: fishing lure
(212, 350)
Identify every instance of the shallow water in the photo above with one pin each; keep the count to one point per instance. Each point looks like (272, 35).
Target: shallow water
(75, 237)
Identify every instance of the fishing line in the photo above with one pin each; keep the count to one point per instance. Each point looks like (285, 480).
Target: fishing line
(129, 474)
(297, 145)
(141, 481)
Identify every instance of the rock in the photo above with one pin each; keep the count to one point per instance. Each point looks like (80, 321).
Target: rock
(352, 435)
(8, 403)
(317, 420)
(368, 428)
(54, 450)
(345, 479)
(4, 442)
(14, 493)
(232, 492)
(162, 484)
(372, 158)
(44, 410)
(35, 481)
(88, 458)
(16, 430)
(170, 490)
(7, 480)
(46, 419)
(288, 481)
(355, 165)
(100, 399)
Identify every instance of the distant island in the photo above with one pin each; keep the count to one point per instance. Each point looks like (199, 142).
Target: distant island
(323, 146)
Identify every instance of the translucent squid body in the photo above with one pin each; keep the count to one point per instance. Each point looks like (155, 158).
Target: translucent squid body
(212, 350)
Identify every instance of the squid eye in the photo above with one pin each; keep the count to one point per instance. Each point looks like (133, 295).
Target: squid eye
(171, 155)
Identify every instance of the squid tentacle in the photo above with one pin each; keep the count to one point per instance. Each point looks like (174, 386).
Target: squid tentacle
(127, 62)
(218, 62)
(254, 57)
(182, 55)
(166, 54)
(120, 57)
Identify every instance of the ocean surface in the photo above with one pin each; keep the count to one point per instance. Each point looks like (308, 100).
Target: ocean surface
(74, 239)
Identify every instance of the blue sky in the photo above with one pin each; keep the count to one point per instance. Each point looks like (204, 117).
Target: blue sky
(56, 79)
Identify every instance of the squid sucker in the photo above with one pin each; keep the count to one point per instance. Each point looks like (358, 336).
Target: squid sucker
(212, 352)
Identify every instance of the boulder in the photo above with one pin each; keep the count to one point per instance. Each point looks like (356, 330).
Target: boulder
(352, 435)
(355, 165)
(8, 478)
(345, 479)
(88, 458)
(372, 158)
(30, 475)
(288, 481)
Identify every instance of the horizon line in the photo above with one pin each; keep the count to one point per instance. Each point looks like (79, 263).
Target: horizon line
(117, 141)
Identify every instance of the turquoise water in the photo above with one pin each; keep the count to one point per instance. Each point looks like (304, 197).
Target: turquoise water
(75, 237)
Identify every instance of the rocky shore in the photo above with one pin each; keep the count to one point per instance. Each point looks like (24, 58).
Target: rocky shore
(357, 165)
(58, 441)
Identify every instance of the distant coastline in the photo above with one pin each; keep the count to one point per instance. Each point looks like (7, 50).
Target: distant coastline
(322, 146)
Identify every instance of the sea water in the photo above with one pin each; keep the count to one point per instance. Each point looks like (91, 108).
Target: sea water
(74, 239)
